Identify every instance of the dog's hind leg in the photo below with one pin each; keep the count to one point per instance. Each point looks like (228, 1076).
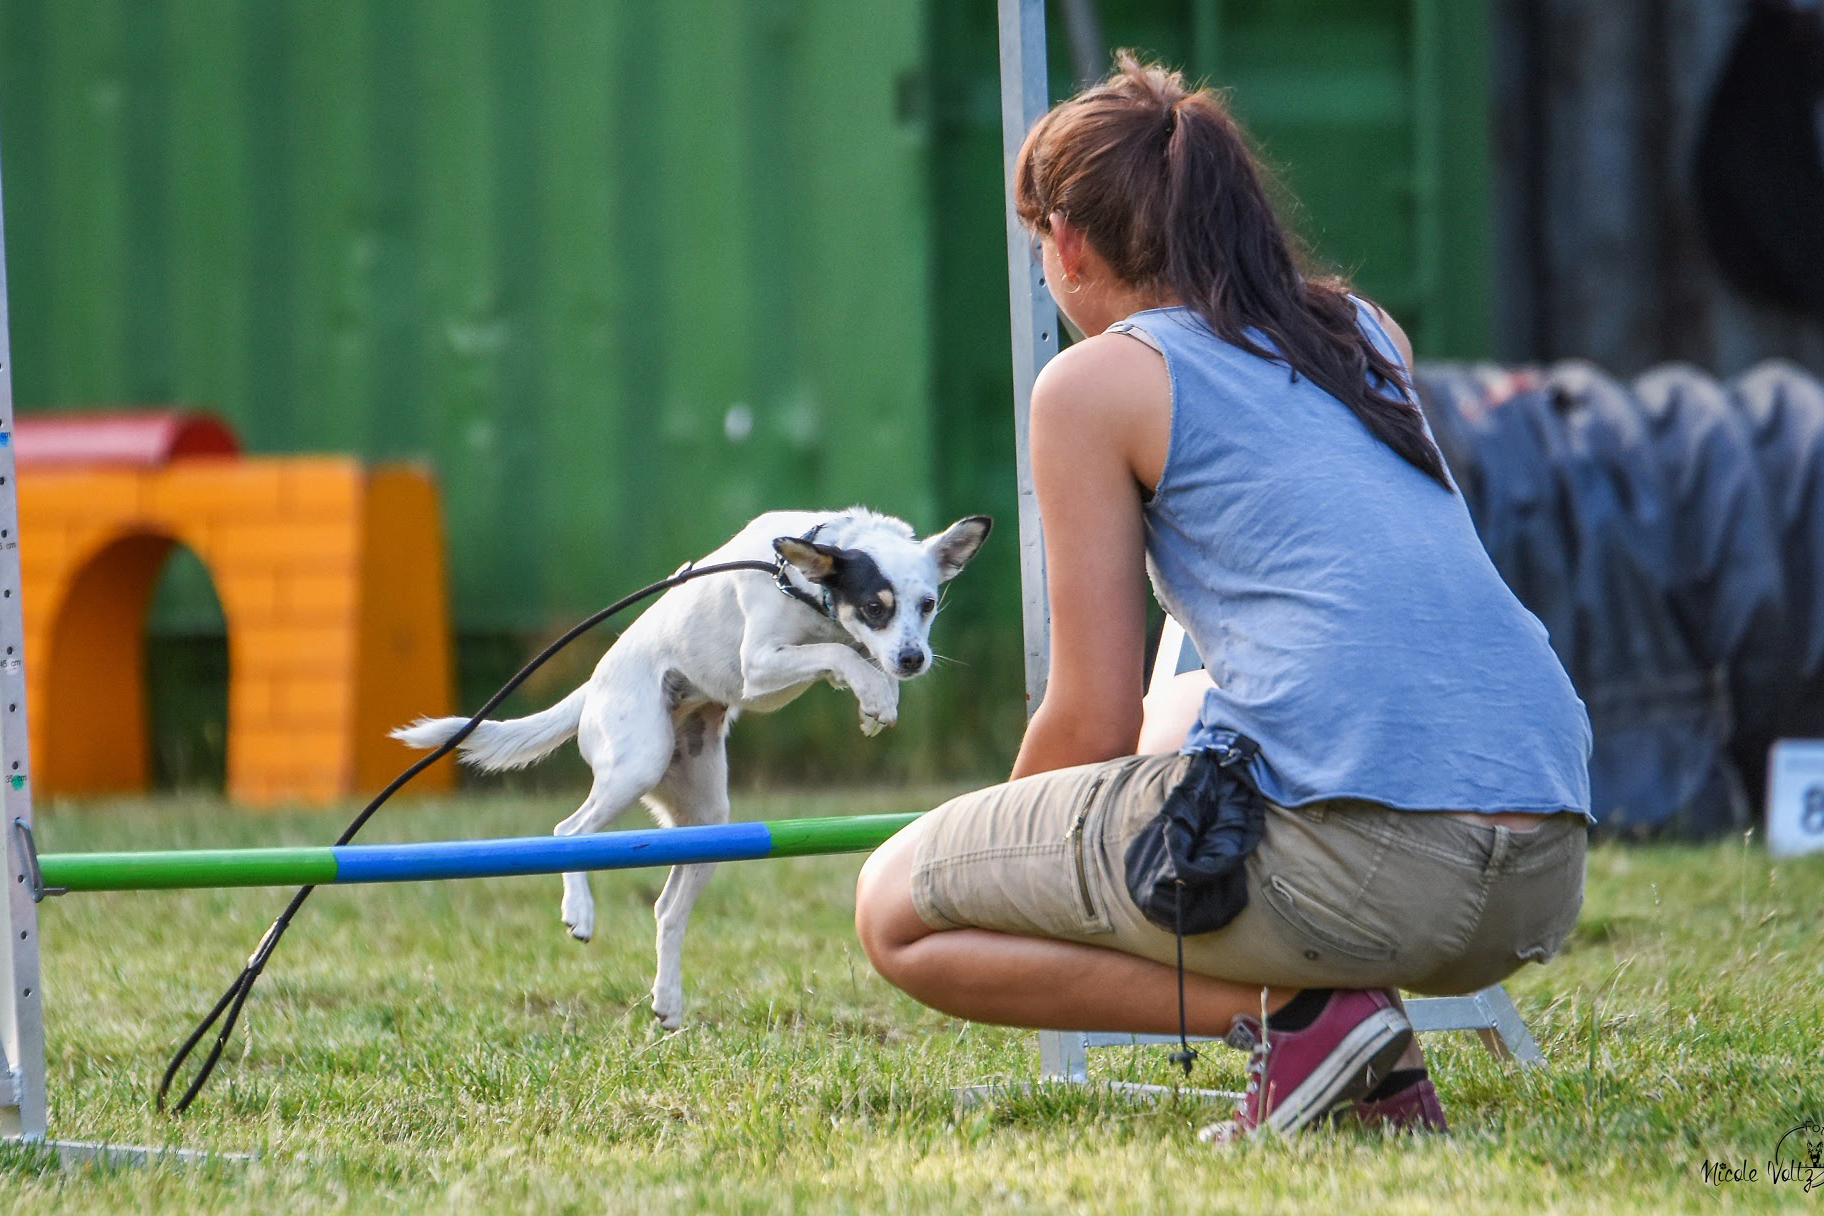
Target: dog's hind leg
(695, 791)
(628, 749)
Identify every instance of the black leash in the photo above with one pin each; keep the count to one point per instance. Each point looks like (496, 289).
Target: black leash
(1186, 1055)
(235, 998)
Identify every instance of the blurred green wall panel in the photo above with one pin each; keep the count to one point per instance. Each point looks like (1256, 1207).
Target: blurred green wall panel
(593, 478)
(272, 116)
(333, 245)
(87, 301)
(211, 221)
(24, 102)
(626, 275)
(146, 353)
(1375, 116)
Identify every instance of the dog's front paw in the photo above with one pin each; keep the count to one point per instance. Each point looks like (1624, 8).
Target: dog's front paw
(579, 917)
(668, 1007)
(879, 701)
(873, 723)
(876, 716)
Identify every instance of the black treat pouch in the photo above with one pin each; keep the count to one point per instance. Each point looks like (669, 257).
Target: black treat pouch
(1186, 870)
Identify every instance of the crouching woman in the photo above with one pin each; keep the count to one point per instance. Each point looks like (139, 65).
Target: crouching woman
(1386, 753)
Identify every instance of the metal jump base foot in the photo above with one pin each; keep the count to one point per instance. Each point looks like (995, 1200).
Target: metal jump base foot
(74, 1154)
(1064, 1055)
(975, 1095)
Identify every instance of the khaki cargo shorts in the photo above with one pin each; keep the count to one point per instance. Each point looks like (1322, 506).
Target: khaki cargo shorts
(1341, 894)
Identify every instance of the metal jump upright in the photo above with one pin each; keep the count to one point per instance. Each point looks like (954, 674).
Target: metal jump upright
(22, 1104)
(1064, 1056)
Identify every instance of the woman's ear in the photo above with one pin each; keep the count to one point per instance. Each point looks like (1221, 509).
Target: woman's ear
(1070, 243)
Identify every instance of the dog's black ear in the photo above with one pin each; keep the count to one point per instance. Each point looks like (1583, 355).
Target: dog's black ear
(815, 562)
(955, 545)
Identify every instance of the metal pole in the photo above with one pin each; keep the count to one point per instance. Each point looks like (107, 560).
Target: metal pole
(1034, 316)
(22, 1105)
(446, 859)
(1024, 99)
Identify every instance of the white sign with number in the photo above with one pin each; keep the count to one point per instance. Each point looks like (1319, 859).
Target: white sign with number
(1795, 797)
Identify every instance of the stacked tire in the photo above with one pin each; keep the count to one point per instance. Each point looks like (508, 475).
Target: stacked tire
(1670, 534)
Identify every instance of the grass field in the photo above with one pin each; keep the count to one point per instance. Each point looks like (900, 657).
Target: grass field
(446, 1047)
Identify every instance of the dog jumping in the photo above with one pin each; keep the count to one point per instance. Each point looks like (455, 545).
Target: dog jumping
(852, 605)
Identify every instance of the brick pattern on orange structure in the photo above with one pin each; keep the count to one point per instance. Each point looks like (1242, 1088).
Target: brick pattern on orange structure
(331, 582)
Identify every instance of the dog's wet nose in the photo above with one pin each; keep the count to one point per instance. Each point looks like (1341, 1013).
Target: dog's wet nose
(911, 662)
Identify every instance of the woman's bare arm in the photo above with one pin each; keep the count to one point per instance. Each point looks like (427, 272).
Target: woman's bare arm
(1171, 709)
(1096, 409)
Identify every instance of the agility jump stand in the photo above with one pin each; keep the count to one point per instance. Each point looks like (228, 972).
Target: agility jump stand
(31, 877)
(1025, 96)
(22, 1105)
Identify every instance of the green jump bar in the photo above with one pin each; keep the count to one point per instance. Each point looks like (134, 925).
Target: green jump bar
(434, 860)
(191, 868)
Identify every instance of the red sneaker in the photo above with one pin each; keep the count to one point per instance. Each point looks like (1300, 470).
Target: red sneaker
(1405, 1102)
(1296, 1077)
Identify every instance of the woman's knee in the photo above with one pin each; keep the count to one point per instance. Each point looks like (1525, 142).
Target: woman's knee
(885, 919)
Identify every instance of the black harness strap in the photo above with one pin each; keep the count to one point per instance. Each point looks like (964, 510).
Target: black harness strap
(821, 606)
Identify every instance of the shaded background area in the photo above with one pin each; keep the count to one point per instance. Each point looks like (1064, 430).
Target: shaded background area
(627, 275)
(1598, 109)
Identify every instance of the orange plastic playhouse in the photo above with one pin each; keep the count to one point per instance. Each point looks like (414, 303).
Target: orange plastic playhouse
(330, 577)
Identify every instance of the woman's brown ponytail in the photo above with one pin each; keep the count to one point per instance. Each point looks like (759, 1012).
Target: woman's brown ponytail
(1160, 180)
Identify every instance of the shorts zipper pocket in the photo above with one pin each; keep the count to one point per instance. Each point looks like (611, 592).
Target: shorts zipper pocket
(1076, 834)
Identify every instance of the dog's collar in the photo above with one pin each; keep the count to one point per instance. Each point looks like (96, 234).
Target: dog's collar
(820, 605)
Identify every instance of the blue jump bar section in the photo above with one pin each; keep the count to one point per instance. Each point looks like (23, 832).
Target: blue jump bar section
(550, 854)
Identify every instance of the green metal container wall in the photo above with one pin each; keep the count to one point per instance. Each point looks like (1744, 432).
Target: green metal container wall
(625, 274)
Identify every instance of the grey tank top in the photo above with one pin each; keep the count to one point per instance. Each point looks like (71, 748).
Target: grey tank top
(1352, 622)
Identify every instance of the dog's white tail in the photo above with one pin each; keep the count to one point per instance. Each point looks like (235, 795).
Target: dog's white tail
(494, 746)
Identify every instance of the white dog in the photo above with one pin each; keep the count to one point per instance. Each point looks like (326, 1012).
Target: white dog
(852, 605)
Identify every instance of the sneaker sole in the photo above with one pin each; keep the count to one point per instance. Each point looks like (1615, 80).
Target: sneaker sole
(1412, 1118)
(1366, 1054)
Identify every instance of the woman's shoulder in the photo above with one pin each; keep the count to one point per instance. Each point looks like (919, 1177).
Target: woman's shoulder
(1390, 327)
(1109, 373)
(1106, 395)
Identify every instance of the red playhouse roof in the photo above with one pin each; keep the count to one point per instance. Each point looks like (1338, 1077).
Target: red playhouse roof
(120, 438)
